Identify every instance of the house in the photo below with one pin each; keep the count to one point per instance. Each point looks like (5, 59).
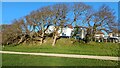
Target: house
(114, 37)
(50, 29)
(99, 35)
(64, 32)
(67, 31)
(113, 34)
(82, 31)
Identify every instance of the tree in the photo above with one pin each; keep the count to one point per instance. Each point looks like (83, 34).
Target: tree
(59, 19)
(11, 33)
(34, 23)
(46, 13)
(33, 27)
(79, 10)
(100, 20)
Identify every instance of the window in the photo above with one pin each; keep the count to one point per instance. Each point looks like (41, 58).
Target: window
(63, 34)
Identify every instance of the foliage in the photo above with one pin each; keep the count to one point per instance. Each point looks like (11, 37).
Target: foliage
(11, 33)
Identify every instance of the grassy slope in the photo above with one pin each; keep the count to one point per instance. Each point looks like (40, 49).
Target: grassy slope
(65, 46)
(28, 60)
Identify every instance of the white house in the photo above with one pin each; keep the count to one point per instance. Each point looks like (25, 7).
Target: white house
(114, 36)
(111, 34)
(50, 29)
(66, 31)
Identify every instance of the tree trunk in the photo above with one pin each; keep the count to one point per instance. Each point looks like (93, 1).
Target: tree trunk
(106, 40)
(102, 40)
(95, 39)
(54, 40)
(42, 38)
(21, 40)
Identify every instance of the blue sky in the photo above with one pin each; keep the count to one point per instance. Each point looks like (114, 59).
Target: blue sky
(16, 10)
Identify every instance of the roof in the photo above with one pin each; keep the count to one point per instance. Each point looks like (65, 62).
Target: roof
(99, 32)
(80, 27)
(70, 26)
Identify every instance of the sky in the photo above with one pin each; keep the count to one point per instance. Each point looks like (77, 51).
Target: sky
(16, 10)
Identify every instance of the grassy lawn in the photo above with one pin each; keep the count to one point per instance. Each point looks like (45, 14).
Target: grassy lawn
(29, 60)
(64, 46)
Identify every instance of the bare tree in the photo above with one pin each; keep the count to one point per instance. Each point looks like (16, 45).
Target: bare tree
(79, 10)
(11, 33)
(34, 25)
(100, 20)
(38, 20)
(59, 19)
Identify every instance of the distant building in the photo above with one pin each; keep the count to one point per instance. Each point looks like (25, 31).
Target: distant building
(99, 34)
(114, 37)
(68, 31)
(113, 34)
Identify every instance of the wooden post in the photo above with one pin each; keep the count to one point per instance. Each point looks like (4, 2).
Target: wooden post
(95, 39)
(113, 41)
(106, 40)
(102, 40)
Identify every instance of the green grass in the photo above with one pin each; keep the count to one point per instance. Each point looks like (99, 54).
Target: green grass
(29, 60)
(65, 46)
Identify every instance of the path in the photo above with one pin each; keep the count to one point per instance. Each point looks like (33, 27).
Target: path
(66, 55)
